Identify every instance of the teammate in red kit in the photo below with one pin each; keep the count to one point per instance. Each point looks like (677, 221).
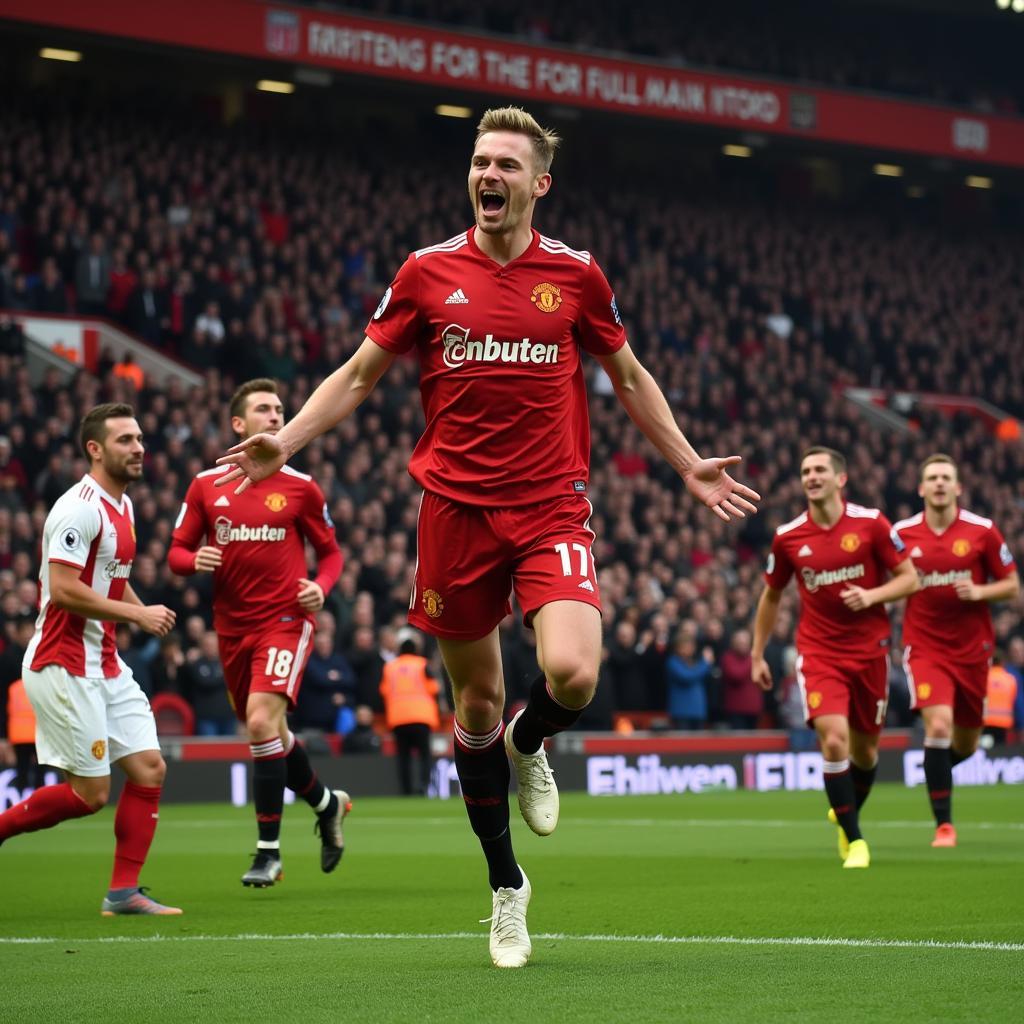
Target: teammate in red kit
(841, 553)
(263, 613)
(498, 317)
(89, 708)
(963, 564)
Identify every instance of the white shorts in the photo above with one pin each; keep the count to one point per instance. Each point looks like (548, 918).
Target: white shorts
(84, 724)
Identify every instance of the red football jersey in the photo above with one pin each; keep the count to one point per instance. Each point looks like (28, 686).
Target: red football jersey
(261, 533)
(936, 620)
(501, 378)
(857, 550)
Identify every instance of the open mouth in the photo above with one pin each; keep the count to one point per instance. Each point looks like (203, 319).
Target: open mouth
(491, 201)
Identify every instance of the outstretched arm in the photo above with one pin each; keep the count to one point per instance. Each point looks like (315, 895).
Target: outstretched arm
(706, 479)
(259, 456)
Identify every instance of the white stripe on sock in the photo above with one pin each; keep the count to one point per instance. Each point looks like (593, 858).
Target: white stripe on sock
(938, 742)
(836, 767)
(475, 740)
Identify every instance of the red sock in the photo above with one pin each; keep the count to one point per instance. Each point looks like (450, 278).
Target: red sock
(45, 808)
(134, 827)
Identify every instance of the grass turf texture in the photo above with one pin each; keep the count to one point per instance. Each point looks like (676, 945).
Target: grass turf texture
(739, 877)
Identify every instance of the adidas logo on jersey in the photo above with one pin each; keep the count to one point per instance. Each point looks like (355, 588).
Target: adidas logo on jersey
(805, 551)
(587, 585)
(457, 298)
(222, 502)
(916, 552)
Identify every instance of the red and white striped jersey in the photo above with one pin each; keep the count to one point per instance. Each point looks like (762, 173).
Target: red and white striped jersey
(93, 532)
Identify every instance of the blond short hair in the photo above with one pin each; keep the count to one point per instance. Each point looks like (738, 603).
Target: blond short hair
(515, 119)
(940, 457)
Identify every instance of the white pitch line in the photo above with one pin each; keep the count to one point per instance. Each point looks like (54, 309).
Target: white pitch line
(668, 940)
(460, 822)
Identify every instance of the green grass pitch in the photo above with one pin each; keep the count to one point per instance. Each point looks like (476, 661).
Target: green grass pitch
(719, 907)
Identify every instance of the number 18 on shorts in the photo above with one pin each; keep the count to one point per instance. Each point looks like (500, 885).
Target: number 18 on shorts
(270, 661)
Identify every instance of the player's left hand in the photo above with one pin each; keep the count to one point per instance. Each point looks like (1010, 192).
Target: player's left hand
(709, 483)
(857, 599)
(311, 596)
(967, 590)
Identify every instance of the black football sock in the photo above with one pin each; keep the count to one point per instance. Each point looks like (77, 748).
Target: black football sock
(863, 780)
(484, 774)
(938, 775)
(269, 773)
(543, 716)
(842, 798)
(303, 781)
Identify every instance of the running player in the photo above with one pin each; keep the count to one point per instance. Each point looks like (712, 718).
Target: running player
(948, 640)
(499, 317)
(840, 553)
(89, 709)
(264, 612)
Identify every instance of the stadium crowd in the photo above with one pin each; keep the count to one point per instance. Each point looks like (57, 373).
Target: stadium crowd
(967, 60)
(242, 259)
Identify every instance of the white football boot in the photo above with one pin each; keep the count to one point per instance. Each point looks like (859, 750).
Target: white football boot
(510, 941)
(538, 794)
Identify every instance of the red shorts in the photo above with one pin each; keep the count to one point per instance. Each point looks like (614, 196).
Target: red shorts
(935, 680)
(470, 560)
(858, 690)
(270, 660)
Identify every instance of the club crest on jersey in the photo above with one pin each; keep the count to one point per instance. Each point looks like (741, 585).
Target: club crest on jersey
(546, 297)
(850, 542)
(433, 605)
(814, 700)
(275, 502)
(99, 748)
(961, 548)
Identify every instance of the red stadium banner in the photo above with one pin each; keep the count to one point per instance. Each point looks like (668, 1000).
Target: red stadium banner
(488, 64)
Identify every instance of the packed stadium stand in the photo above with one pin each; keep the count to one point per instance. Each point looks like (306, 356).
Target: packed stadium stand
(251, 251)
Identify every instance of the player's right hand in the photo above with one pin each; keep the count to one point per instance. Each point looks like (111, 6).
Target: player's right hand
(157, 619)
(254, 459)
(761, 673)
(208, 558)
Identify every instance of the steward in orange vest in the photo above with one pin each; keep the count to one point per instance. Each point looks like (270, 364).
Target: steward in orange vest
(410, 709)
(999, 698)
(409, 693)
(21, 719)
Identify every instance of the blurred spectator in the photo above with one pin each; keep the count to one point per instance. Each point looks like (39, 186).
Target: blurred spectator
(48, 295)
(138, 659)
(328, 685)
(92, 277)
(147, 309)
(207, 690)
(168, 672)
(687, 673)
(363, 738)
(742, 700)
